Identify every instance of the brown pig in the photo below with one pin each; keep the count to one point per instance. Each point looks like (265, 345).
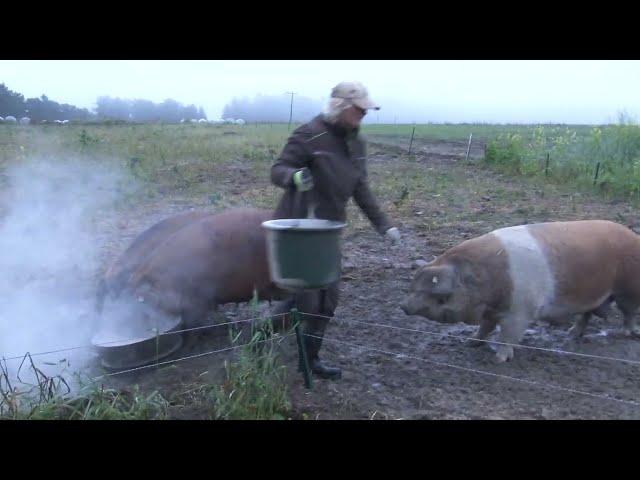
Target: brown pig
(213, 260)
(118, 274)
(512, 276)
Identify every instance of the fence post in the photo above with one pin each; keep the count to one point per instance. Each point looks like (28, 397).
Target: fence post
(303, 361)
(468, 147)
(157, 332)
(546, 166)
(411, 142)
(595, 177)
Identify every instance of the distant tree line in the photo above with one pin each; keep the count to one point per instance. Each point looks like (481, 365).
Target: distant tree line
(145, 111)
(265, 108)
(262, 108)
(38, 109)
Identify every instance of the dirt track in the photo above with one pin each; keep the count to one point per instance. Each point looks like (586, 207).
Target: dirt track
(394, 373)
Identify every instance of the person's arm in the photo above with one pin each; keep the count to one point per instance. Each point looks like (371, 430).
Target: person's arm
(294, 157)
(367, 202)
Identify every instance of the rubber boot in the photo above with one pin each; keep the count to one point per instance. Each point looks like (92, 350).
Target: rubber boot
(318, 367)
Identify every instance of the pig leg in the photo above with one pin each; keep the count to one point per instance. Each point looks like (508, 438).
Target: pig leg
(487, 326)
(512, 328)
(484, 330)
(628, 309)
(603, 310)
(580, 325)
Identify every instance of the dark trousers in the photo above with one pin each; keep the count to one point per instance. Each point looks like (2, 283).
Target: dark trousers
(321, 302)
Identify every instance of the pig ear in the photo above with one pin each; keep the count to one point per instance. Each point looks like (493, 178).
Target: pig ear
(467, 276)
(442, 280)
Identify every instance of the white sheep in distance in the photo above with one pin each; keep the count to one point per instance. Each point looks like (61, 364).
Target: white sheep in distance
(239, 121)
(65, 122)
(25, 121)
(202, 120)
(10, 119)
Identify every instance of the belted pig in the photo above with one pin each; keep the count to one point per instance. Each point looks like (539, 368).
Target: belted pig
(212, 260)
(514, 275)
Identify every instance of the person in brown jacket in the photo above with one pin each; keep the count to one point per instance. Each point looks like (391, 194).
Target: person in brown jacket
(320, 168)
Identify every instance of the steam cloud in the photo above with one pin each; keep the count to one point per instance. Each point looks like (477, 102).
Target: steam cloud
(49, 257)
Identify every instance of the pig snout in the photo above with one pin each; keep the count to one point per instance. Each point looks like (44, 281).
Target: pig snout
(404, 308)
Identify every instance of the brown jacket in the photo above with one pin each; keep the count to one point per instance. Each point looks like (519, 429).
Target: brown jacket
(337, 161)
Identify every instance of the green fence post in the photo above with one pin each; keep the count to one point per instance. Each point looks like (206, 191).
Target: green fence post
(411, 142)
(546, 167)
(303, 361)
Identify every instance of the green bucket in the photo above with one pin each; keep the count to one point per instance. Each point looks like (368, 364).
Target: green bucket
(304, 254)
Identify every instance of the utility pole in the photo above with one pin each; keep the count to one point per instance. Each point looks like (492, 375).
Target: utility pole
(291, 110)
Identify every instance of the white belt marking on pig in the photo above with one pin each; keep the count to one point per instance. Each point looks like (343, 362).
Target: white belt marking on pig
(532, 280)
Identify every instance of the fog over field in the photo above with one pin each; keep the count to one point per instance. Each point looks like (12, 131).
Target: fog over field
(493, 91)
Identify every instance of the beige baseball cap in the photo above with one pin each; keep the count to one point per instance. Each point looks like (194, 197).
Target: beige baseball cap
(356, 93)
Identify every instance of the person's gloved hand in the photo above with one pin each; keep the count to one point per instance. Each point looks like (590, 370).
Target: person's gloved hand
(393, 234)
(303, 180)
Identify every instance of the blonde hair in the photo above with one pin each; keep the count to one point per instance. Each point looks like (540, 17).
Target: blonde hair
(335, 107)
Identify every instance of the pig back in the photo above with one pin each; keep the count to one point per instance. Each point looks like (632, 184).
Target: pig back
(220, 258)
(118, 273)
(589, 259)
(147, 241)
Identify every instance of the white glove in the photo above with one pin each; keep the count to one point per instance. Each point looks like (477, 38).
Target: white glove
(393, 234)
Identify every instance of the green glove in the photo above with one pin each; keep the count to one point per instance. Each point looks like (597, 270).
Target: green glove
(303, 180)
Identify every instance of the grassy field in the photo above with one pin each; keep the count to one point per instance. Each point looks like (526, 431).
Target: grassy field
(169, 158)
(606, 157)
(462, 131)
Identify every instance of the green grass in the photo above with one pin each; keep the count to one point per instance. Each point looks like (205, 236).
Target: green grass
(604, 158)
(51, 398)
(255, 384)
(461, 131)
(162, 159)
(228, 165)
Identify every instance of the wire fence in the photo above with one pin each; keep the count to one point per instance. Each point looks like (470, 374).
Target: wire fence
(191, 357)
(496, 342)
(277, 336)
(132, 339)
(481, 372)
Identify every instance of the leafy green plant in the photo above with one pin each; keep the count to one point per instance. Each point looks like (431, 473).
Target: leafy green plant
(255, 384)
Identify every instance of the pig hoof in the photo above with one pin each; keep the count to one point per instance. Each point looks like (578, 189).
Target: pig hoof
(504, 354)
(629, 333)
(501, 358)
(576, 332)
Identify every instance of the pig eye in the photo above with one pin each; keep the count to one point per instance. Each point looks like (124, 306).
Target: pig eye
(442, 299)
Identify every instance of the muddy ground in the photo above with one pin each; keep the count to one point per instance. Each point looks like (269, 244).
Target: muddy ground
(419, 370)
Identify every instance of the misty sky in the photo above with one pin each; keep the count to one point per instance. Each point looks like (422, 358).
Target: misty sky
(521, 91)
